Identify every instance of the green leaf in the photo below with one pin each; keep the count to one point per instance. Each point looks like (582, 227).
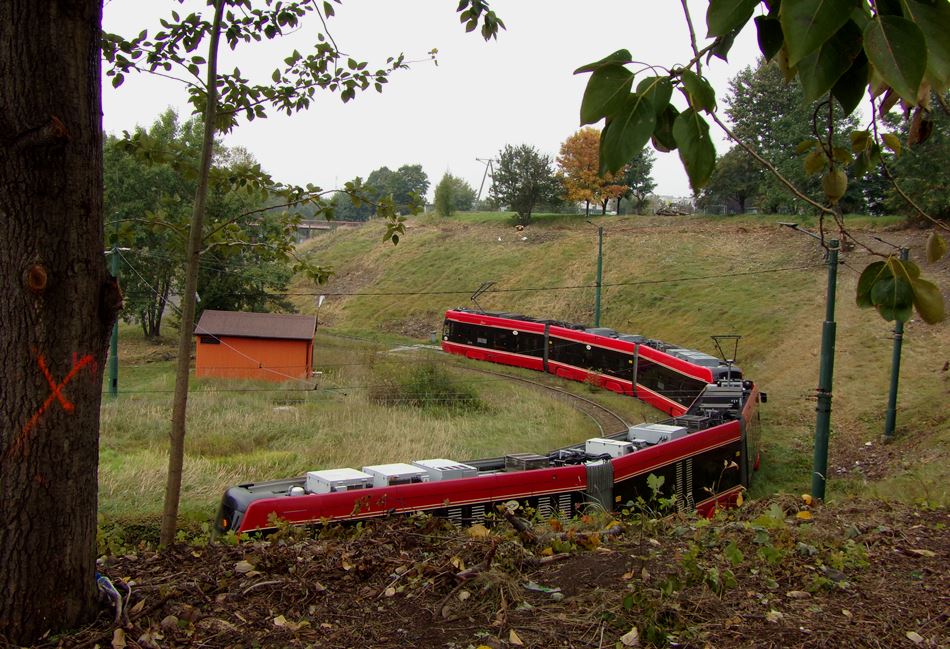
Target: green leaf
(820, 70)
(620, 57)
(771, 38)
(663, 139)
(696, 149)
(806, 24)
(933, 19)
(867, 280)
(842, 155)
(700, 94)
(607, 90)
(733, 553)
(850, 89)
(928, 300)
(658, 90)
(936, 247)
(892, 142)
(627, 132)
(117, 80)
(724, 16)
(721, 46)
(806, 145)
(860, 141)
(893, 297)
(896, 48)
(815, 161)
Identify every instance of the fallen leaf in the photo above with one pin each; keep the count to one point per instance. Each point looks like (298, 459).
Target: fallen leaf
(118, 639)
(845, 612)
(807, 499)
(914, 637)
(514, 639)
(631, 638)
(346, 564)
(739, 499)
(326, 625)
(804, 515)
(389, 592)
(478, 531)
(139, 605)
(922, 553)
(774, 616)
(243, 567)
(457, 562)
(464, 595)
(280, 621)
(797, 594)
(627, 575)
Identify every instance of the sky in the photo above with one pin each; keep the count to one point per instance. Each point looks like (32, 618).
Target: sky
(480, 97)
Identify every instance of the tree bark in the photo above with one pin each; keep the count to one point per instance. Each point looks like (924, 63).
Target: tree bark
(57, 307)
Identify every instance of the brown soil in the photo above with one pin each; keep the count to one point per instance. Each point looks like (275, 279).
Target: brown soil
(863, 574)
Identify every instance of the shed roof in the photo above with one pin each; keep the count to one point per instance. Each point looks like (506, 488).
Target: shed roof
(257, 325)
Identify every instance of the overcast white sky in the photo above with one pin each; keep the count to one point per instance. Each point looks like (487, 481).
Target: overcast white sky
(480, 97)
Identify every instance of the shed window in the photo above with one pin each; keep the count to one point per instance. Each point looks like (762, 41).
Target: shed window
(210, 340)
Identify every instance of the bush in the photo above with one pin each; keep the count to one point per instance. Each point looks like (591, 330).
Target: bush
(426, 386)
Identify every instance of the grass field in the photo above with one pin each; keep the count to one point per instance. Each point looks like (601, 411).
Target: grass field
(680, 279)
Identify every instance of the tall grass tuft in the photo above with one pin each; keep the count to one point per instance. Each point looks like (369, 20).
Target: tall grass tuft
(428, 387)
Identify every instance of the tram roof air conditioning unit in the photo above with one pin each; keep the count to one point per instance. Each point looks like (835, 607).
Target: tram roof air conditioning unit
(611, 447)
(388, 475)
(525, 462)
(655, 433)
(330, 480)
(442, 469)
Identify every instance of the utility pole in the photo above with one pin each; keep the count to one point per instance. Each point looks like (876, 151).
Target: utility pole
(826, 370)
(114, 343)
(600, 273)
(823, 421)
(891, 416)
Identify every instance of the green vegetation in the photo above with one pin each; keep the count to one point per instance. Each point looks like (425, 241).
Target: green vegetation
(738, 285)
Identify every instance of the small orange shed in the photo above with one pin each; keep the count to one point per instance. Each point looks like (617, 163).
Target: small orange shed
(241, 345)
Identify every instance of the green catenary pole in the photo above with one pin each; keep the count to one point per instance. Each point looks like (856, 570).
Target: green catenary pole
(891, 416)
(114, 343)
(600, 271)
(823, 420)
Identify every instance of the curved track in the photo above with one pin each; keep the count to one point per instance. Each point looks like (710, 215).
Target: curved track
(608, 421)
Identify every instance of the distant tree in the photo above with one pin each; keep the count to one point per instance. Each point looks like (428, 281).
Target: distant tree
(638, 179)
(771, 115)
(453, 194)
(406, 186)
(735, 182)
(410, 184)
(523, 178)
(923, 170)
(579, 164)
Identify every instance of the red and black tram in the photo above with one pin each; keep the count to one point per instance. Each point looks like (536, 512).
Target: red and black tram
(705, 451)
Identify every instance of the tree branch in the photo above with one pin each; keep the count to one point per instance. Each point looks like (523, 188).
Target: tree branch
(692, 40)
(771, 168)
(893, 180)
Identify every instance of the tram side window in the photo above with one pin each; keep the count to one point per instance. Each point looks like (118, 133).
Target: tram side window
(530, 344)
(572, 353)
(673, 385)
(612, 362)
(466, 334)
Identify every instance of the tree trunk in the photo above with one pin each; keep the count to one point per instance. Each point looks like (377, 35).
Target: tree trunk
(57, 307)
(176, 449)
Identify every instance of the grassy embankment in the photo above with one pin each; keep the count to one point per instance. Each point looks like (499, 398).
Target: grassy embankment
(678, 279)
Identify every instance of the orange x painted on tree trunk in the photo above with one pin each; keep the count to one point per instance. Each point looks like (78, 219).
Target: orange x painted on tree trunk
(56, 394)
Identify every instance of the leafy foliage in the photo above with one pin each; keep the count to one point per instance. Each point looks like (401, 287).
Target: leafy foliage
(453, 194)
(522, 179)
(896, 50)
(639, 179)
(579, 164)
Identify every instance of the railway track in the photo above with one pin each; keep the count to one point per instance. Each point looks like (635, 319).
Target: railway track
(607, 421)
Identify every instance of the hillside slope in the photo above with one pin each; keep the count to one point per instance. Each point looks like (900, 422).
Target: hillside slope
(681, 280)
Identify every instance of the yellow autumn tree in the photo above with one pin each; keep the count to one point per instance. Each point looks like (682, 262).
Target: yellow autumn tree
(579, 162)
